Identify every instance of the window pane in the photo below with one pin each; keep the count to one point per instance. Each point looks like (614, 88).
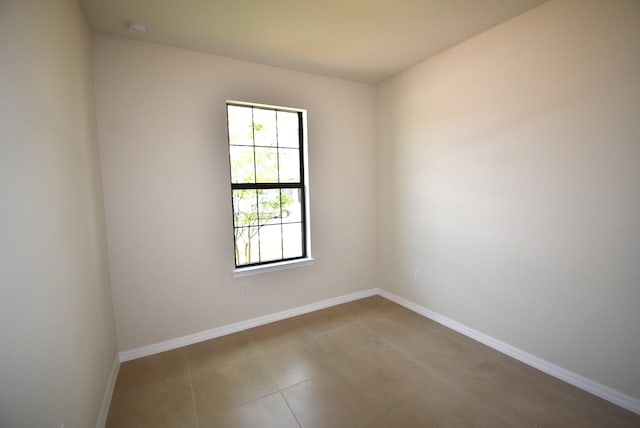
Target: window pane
(247, 246)
(292, 240)
(289, 165)
(291, 207)
(269, 206)
(270, 243)
(242, 166)
(264, 126)
(245, 208)
(288, 135)
(266, 165)
(240, 128)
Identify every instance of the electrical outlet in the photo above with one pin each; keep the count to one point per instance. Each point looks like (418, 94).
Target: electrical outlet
(416, 274)
(244, 288)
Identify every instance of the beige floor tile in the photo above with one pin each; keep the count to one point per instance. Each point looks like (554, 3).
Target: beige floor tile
(229, 385)
(167, 404)
(534, 373)
(395, 327)
(617, 413)
(365, 362)
(441, 354)
(296, 363)
(267, 412)
(380, 304)
(210, 353)
(442, 408)
(519, 399)
(575, 414)
(358, 311)
(421, 319)
(370, 307)
(389, 376)
(151, 370)
(469, 342)
(352, 340)
(328, 401)
(275, 334)
(325, 320)
(493, 354)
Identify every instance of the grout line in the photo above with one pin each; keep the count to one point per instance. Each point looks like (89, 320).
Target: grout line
(449, 381)
(193, 395)
(149, 385)
(290, 409)
(444, 381)
(296, 384)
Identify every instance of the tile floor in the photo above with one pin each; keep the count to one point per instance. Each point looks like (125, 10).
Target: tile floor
(368, 363)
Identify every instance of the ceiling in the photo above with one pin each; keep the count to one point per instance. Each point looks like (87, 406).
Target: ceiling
(360, 40)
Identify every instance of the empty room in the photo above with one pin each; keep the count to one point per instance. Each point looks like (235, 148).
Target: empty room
(356, 213)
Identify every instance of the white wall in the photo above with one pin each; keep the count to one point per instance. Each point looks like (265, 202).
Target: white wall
(163, 141)
(57, 336)
(510, 177)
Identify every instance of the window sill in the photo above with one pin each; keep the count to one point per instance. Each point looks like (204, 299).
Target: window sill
(256, 270)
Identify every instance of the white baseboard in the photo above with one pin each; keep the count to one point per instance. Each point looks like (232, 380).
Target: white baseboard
(595, 388)
(190, 339)
(108, 394)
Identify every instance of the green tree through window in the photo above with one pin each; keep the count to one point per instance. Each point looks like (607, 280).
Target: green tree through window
(267, 182)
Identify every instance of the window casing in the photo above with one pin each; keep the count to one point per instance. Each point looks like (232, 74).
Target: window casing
(267, 155)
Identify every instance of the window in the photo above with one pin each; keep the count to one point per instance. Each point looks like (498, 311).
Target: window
(266, 153)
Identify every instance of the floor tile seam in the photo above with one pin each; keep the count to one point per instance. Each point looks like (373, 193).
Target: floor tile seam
(300, 328)
(273, 381)
(216, 412)
(399, 343)
(316, 336)
(519, 373)
(193, 396)
(412, 358)
(355, 354)
(416, 396)
(370, 330)
(411, 314)
(280, 389)
(250, 353)
(312, 334)
(256, 356)
(424, 321)
(290, 409)
(283, 390)
(259, 351)
(244, 403)
(264, 367)
(350, 319)
(477, 401)
(417, 324)
(488, 356)
(463, 342)
(150, 385)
